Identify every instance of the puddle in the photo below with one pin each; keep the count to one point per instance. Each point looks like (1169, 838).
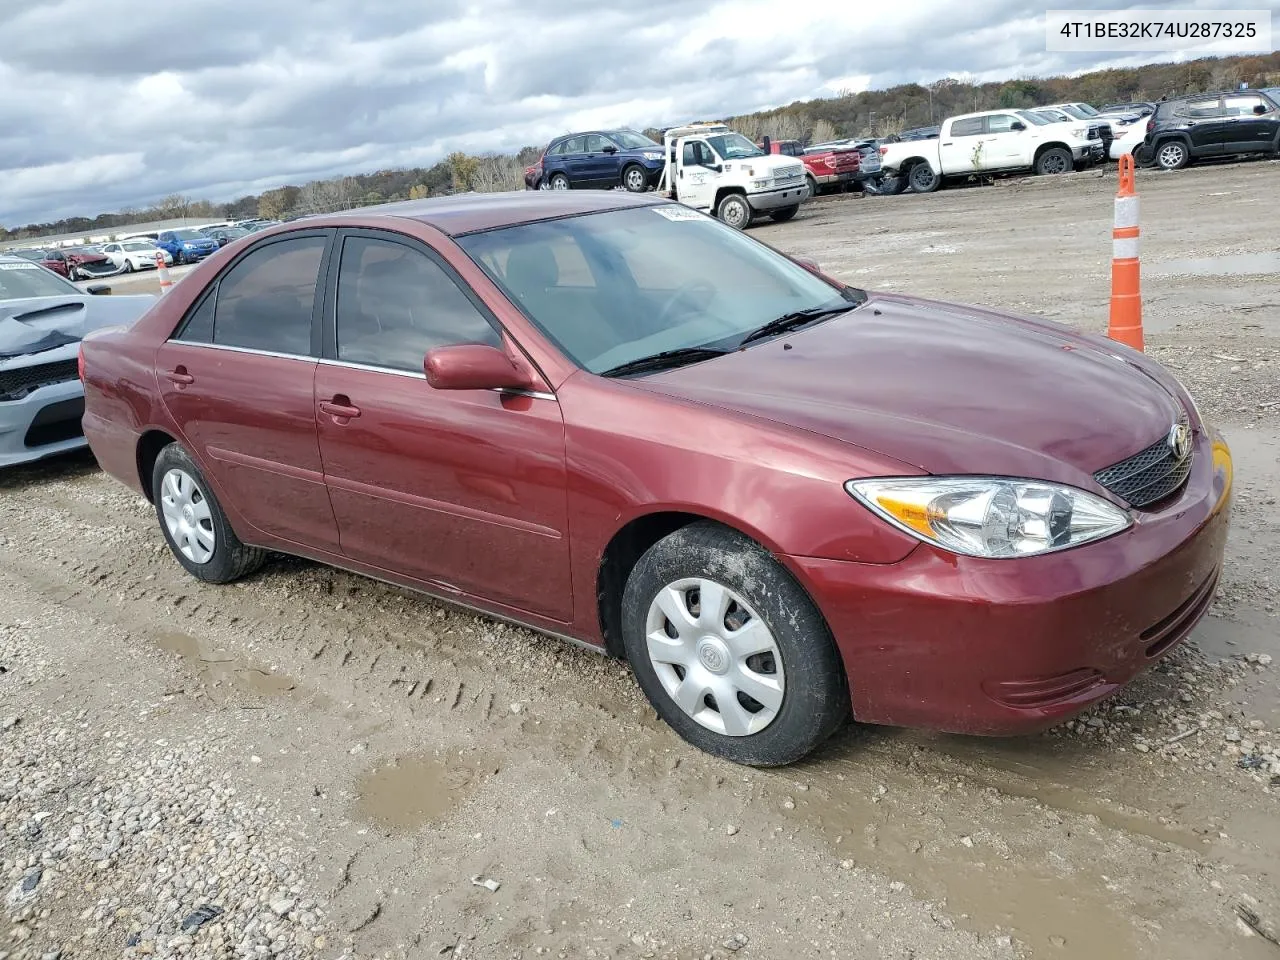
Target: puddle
(220, 669)
(1237, 265)
(417, 789)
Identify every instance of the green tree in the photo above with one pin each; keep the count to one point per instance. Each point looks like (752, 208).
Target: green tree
(418, 191)
(463, 170)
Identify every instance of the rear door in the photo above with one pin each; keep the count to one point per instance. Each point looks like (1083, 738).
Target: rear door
(1250, 124)
(960, 148)
(238, 378)
(574, 160)
(463, 489)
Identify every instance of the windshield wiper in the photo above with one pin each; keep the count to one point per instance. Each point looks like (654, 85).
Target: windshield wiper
(664, 360)
(790, 321)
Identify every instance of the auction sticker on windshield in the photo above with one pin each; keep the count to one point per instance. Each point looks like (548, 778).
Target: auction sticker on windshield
(20, 266)
(678, 213)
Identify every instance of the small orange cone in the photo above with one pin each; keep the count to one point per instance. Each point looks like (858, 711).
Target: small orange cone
(163, 270)
(1126, 284)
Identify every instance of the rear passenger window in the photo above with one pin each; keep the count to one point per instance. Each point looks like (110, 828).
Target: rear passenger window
(198, 327)
(265, 301)
(971, 127)
(395, 303)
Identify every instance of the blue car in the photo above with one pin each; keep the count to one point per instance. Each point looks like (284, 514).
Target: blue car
(602, 160)
(187, 246)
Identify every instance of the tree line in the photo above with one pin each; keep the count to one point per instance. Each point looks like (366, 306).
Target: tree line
(872, 113)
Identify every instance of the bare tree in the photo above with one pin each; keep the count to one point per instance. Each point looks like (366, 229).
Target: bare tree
(824, 131)
(325, 196)
(495, 172)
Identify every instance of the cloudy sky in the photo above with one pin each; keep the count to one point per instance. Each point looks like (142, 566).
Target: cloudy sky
(105, 105)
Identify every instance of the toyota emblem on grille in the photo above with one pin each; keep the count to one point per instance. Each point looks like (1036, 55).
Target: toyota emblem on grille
(1179, 441)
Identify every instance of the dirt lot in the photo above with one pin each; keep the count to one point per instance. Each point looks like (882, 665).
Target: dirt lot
(330, 762)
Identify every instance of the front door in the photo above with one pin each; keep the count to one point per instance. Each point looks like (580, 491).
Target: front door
(462, 489)
(695, 180)
(961, 150)
(602, 162)
(1206, 125)
(1250, 125)
(238, 379)
(1005, 148)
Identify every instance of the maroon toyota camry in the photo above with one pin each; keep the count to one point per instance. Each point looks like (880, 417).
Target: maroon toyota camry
(784, 500)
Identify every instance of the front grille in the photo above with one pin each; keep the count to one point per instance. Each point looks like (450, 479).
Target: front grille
(1148, 476)
(16, 384)
(106, 266)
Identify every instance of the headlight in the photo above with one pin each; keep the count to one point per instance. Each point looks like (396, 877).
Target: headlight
(761, 184)
(992, 517)
(1080, 132)
(652, 155)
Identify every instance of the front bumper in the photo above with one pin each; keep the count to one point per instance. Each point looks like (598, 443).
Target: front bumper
(1094, 151)
(44, 423)
(104, 269)
(775, 199)
(198, 254)
(995, 647)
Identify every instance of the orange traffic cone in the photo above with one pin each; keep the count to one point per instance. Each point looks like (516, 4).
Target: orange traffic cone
(163, 270)
(1126, 284)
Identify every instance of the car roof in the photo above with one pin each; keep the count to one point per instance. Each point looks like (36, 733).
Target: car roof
(475, 212)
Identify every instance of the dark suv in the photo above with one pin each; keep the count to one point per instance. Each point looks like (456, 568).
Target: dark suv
(1212, 125)
(602, 159)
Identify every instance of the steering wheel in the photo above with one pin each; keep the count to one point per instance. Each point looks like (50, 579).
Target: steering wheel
(687, 291)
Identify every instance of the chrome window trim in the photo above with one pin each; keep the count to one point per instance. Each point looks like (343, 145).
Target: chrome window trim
(251, 350)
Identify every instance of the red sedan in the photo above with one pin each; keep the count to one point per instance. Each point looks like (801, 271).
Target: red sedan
(784, 500)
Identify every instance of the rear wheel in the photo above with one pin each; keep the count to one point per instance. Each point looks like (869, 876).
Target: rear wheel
(924, 179)
(1054, 160)
(785, 214)
(634, 179)
(193, 523)
(1173, 155)
(735, 211)
(559, 181)
(730, 650)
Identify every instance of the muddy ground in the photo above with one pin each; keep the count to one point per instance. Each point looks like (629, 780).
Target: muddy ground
(395, 749)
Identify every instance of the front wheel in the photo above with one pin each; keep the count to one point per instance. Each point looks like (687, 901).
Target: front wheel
(634, 179)
(1054, 160)
(1173, 155)
(784, 214)
(193, 523)
(73, 274)
(735, 211)
(812, 183)
(128, 266)
(924, 179)
(730, 650)
(559, 181)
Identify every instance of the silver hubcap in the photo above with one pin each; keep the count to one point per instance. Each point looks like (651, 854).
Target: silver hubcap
(1171, 156)
(734, 214)
(715, 657)
(559, 183)
(187, 516)
(635, 179)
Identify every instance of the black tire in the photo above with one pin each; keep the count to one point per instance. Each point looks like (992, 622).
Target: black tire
(891, 186)
(559, 181)
(635, 179)
(73, 274)
(1172, 155)
(734, 211)
(924, 179)
(230, 559)
(784, 214)
(812, 184)
(1055, 160)
(815, 695)
(128, 266)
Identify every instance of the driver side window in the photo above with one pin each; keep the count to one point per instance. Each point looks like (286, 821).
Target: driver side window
(698, 154)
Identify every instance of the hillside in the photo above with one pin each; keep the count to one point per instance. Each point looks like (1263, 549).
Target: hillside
(871, 113)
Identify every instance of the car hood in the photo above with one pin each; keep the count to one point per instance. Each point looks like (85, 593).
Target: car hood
(86, 257)
(33, 325)
(946, 388)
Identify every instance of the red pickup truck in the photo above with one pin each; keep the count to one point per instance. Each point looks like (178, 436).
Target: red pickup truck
(824, 169)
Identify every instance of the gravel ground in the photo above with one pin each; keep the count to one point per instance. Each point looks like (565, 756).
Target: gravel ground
(309, 764)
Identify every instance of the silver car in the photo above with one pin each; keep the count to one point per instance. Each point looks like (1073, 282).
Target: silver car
(42, 318)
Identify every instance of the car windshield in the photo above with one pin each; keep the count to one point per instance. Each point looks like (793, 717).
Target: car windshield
(20, 280)
(1038, 119)
(134, 246)
(233, 233)
(612, 288)
(734, 146)
(189, 235)
(29, 254)
(1075, 111)
(1086, 110)
(630, 140)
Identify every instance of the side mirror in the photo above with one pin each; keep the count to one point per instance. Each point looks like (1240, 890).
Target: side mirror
(715, 168)
(1017, 125)
(611, 149)
(98, 289)
(473, 366)
(1259, 109)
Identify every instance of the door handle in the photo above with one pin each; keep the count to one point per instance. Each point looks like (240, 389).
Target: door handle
(180, 377)
(948, 144)
(340, 408)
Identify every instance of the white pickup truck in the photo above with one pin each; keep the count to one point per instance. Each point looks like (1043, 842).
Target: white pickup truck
(994, 141)
(713, 169)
